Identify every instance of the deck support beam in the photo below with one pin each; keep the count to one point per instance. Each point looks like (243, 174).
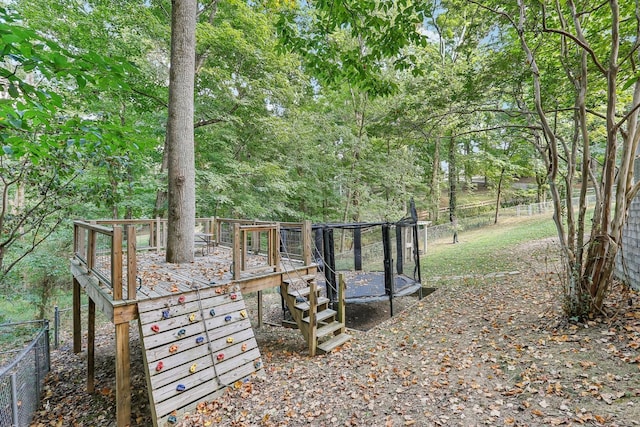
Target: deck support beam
(77, 324)
(123, 376)
(91, 338)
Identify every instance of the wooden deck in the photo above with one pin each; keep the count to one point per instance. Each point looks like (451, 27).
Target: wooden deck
(120, 265)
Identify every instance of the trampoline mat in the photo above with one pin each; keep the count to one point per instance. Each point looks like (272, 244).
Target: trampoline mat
(363, 287)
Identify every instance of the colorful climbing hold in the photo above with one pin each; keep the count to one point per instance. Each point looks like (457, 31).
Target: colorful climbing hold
(192, 317)
(159, 366)
(199, 340)
(244, 347)
(180, 387)
(233, 296)
(155, 328)
(166, 314)
(172, 418)
(174, 288)
(219, 291)
(243, 313)
(181, 332)
(181, 299)
(193, 368)
(230, 340)
(257, 364)
(220, 356)
(212, 312)
(227, 318)
(173, 348)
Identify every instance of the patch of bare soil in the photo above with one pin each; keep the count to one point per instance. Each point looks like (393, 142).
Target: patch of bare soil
(494, 352)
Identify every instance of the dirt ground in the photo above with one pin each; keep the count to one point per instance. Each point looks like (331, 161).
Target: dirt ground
(491, 351)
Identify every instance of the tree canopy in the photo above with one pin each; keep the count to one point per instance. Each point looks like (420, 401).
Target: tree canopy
(328, 111)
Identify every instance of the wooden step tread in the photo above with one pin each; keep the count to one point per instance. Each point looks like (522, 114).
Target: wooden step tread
(322, 315)
(304, 306)
(299, 279)
(334, 342)
(301, 292)
(329, 329)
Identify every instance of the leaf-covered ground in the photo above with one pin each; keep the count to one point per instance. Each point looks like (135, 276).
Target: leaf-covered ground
(481, 351)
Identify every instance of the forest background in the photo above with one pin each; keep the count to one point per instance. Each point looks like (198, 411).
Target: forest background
(328, 111)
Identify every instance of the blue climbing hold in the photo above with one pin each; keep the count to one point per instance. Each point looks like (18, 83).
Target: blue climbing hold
(181, 332)
(227, 318)
(172, 419)
(166, 314)
(212, 312)
(199, 340)
(181, 387)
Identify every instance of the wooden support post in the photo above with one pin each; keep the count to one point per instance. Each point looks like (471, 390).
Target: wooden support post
(91, 337)
(260, 309)
(306, 231)
(77, 325)
(341, 299)
(276, 247)
(116, 263)
(123, 376)
(132, 262)
(313, 324)
(237, 251)
(158, 235)
(91, 250)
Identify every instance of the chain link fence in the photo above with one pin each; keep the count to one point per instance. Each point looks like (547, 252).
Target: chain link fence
(445, 231)
(22, 370)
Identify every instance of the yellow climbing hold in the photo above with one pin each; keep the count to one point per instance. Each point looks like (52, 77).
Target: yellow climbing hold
(243, 313)
(192, 317)
(192, 369)
(230, 340)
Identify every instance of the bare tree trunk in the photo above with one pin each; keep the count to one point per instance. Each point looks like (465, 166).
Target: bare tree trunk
(181, 214)
(435, 180)
(453, 179)
(498, 196)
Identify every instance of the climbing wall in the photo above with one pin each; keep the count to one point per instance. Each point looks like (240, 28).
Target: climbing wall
(195, 344)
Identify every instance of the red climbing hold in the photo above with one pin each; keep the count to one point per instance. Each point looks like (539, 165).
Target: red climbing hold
(181, 299)
(220, 356)
(159, 366)
(233, 296)
(155, 328)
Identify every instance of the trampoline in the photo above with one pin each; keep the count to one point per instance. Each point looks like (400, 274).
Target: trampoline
(379, 261)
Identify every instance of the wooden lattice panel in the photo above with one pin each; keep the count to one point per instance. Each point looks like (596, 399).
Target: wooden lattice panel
(195, 344)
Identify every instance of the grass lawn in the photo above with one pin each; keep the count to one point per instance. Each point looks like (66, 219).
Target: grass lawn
(485, 250)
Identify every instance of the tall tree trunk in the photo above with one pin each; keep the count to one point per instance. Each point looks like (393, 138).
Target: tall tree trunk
(435, 180)
(453, 179)
(182, 206)
(499, 195)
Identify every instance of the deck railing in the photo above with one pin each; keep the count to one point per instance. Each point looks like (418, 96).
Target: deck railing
(107, 248)
(109, 254)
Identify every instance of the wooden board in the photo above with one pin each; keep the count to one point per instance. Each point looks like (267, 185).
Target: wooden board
(200, 342)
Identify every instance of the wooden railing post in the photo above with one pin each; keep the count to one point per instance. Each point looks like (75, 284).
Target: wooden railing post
(158, 231)
(132, 262)
(237, 251)
(276, 247)
(341, 299)
(313, 311)
(306, 242)
(91, 250)
(116, 263)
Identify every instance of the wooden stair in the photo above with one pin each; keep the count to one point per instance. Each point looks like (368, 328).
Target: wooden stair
(322, 327)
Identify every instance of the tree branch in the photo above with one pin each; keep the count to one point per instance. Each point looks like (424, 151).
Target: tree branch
(206, 122)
